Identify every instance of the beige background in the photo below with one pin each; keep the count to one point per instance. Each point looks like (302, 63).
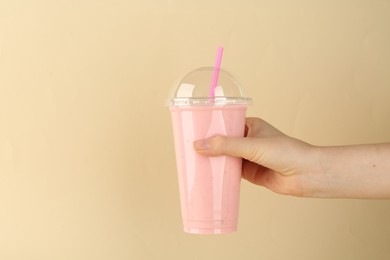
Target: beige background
(87, 168)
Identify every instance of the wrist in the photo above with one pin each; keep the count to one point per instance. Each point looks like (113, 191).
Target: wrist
(324, 176)
(354, 171)
(317, 181)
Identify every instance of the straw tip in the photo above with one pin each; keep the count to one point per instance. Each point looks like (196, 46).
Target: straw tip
(214, 79)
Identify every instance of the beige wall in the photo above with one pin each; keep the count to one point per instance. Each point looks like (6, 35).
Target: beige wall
(87, 167)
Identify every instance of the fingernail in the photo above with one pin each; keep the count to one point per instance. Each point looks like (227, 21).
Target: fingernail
(202, 145)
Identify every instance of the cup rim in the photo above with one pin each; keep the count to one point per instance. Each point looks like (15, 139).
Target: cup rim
(209, 101)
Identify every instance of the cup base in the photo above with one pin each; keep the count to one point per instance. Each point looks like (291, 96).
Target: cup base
(200, 231)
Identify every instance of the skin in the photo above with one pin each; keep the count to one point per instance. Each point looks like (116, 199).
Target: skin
(290, 166)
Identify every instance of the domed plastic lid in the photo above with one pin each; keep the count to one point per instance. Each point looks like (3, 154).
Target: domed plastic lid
(194, 89)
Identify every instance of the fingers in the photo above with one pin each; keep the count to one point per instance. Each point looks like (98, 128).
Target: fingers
(256, 173)
(252, 147)
(247, 148)
(256, 127)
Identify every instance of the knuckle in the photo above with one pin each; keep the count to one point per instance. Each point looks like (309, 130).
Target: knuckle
(218, 144)
(254, 126)
(255, 154)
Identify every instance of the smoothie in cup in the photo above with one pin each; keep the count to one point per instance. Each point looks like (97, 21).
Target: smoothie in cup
(209, 186)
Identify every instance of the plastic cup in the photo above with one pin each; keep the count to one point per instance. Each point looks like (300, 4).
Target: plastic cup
(209, 186)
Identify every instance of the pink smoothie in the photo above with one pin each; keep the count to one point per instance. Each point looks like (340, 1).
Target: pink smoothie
(209, 186)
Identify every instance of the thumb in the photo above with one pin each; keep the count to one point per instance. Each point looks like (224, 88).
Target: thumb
(245, 147)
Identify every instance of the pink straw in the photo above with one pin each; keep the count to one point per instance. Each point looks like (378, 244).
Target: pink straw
(217, 66)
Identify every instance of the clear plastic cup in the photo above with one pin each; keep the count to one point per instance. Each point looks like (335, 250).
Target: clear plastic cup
(209, 186)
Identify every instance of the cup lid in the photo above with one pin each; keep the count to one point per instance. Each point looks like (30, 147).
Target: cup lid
(194, 89)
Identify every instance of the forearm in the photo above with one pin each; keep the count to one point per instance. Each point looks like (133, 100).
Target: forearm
(356, 171)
